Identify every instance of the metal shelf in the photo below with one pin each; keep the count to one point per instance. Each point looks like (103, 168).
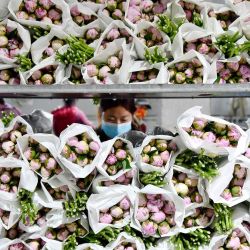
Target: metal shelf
(118, 90)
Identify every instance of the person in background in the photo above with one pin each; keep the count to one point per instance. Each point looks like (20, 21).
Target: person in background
(142, 107)
(116, 117)
(68, 114)
(7, 109)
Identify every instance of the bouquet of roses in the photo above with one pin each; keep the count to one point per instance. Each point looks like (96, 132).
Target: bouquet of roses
(200, 217)
(189, 187)
(235, 71)
(9, 75)
(8, 139)
(14, 41)
(81, 15)
(125, 241)
(113, 10)
(232, 185)
(47, 45)
(142, 10)
(214, 135)
(155, 153)
(41, 13)
(116, 158)
(143, 75)
(115, 212)
(158, 213)
(9, 213)
(192, 10)
(39, 152)
(116, 30)
(78, 149)
(102, 184)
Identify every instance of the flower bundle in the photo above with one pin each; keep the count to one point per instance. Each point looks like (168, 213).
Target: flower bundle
(44, 76)
(233, 72)
(10, 42)
(54, 45)
(8, 140)
(9, 179)
(9, 76)
(140, 10)
(234, 189)
(187, 72)
(76, 76)
(222, 135)
(64, 231)
(193, 12)
(236, 240)
(41, 10)
(57, 193)
(85, 183)
(101, 71)
(201, 217)
(202, 45)
(116, 33)
(150, 36)
(115, 9)
(119, 158)
(117, 213)
(80, 18)
(225, 18)
(186, 186)
(80, 149)
(40, 159)
(143, 75)
(157, 152)
(155, 214)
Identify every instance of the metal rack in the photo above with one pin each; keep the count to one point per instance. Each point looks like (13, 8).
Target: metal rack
(136, 90)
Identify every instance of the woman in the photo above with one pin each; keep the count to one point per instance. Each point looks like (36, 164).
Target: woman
(116, 117)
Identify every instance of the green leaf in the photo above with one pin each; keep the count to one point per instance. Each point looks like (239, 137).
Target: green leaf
(126, 164)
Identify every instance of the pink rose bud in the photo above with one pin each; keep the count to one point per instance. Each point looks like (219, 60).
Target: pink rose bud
(30, 5)
(114, 62)
(245, 71)
(92, 34)
(209, 137)
(219, 66)
(158, 8)
(199, 123)
(49, 51)
(121, 179)
(54, 14)
(35, 164)
(158, 217)
(190, 46)
(247, 153)
(225, 74)
(142, 201)
(92, 70)
(238, 182)
(50, 234)
(117, 14)
(22, 15)
(130, 174)
(72, 157)
(103, 72)
(17, 246)
(106, 218)
(121, 154)
(113, 34)
(8, 147)
(47, 20)
(163, 228)
(165, 156)
(234, 66)
(47, 4)
(203, 48)
(149, 228)
(124, 203)
(134, 14)
(40, 12)
(233, 134)
(152, 207)
(226, 194)
(187, 201)
(239, 172)
(74, 11)
(5, 177)
(36, 75)
(116, 212)
(62, 234)
(146, 6)
(51, 164)
(169, 208)
(233, 243)
(157, 161)
(94, 146)
(111, 159)
(222, 142)
(181, 177)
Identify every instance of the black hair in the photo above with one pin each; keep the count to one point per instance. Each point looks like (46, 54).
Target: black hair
(69, 101)
(128, 104)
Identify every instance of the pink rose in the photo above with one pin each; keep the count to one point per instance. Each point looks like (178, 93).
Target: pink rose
(165, 156)
(169, 208)
(225, 74)
(240, 172)
(233, 66)
(152, 208)
(245, 71)
(30, 5)
(233, 243)
(247, 153)
(142, 214)
(146, 6)
(157, 161)
(226, 194)
(219, 66)
(222, 142)
(46, 3)
(75, 11)
(106, 218)
(134, 14)
(116, 212)
(72, 142)
(158, 217)
(94, 146)
(40, 12)
(233, 134)
(149, 228)
(54, 14)
(121, 154)
(111, 159)
(209, 137)
(142, 201)
(124, 203)
(92, 70)
(163, 228)
(51, 164)
(203, 48)
(113, 34)
(199, 123)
